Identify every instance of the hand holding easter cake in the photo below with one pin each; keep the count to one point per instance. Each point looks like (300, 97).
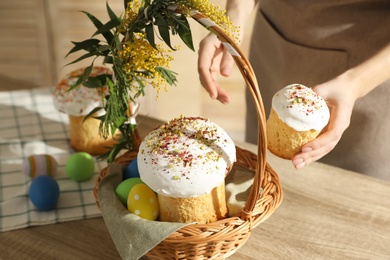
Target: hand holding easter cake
(297, 117)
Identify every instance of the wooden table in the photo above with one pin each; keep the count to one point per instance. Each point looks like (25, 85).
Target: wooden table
(327, 213)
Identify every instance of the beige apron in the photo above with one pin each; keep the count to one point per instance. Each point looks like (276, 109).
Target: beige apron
(312, 41)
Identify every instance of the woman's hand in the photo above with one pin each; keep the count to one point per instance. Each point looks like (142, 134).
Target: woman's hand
(340, 96)
(214, 60)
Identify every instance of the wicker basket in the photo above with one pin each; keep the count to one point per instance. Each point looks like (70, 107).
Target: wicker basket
(222, 238)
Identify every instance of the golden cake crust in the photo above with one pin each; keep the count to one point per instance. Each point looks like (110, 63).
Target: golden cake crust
(84, 136)
(284, 141)
(203, 209)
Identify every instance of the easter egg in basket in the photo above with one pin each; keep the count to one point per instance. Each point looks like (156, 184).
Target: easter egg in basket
(142, 201)
(123, 189)
(131, 170)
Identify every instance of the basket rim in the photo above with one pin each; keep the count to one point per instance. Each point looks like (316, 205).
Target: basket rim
(194, 234)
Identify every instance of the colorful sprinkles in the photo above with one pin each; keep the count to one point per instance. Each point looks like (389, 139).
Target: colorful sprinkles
(169, 144)
(304, 97)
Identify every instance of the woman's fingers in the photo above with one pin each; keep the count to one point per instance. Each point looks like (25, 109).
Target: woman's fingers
(212, 61)
(227, 63)
(207, 54)
(315, 150)
(325, 142)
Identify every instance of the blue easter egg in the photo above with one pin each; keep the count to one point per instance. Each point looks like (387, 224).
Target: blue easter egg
(131, 171)
(44, 192)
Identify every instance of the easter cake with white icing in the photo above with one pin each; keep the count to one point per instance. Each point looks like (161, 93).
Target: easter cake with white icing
(79, 102)
(185, 161)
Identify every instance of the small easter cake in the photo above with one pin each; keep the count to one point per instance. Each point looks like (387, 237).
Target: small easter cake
(185, 161)
(79, 102)
(297, 116)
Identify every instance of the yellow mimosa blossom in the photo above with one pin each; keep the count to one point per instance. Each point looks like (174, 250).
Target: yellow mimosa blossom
(213, 12)
(139, 58)
(131, 13)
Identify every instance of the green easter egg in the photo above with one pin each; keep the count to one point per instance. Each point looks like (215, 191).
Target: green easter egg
(123, 189)
(80, 166)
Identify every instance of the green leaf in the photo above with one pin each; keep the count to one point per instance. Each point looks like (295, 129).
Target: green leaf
(94, 20)
(104, 78)
(98, 24)
(89, 45)
(114, 152)
(140, 93)
(87, 55)
(168, 75)
(90, 114)
(163, 29)
(83, 78)
(149, 29)
(105, 29)
(97, 81)
(111, 14)
(184, 32)
(117, 123)
(140, 82)
(93, 82)
(108, 60)
(146, 73)
(117, 41)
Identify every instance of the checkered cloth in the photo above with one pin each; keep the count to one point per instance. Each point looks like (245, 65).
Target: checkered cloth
(29, 124)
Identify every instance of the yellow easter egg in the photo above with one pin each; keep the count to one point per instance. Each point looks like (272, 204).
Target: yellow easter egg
(142, 201)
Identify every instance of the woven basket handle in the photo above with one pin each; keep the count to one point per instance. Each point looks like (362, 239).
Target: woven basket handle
(251, 81)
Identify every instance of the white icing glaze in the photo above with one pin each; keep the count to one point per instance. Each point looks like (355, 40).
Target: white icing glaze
(301, 108)
(81, 100)
(186, 157)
